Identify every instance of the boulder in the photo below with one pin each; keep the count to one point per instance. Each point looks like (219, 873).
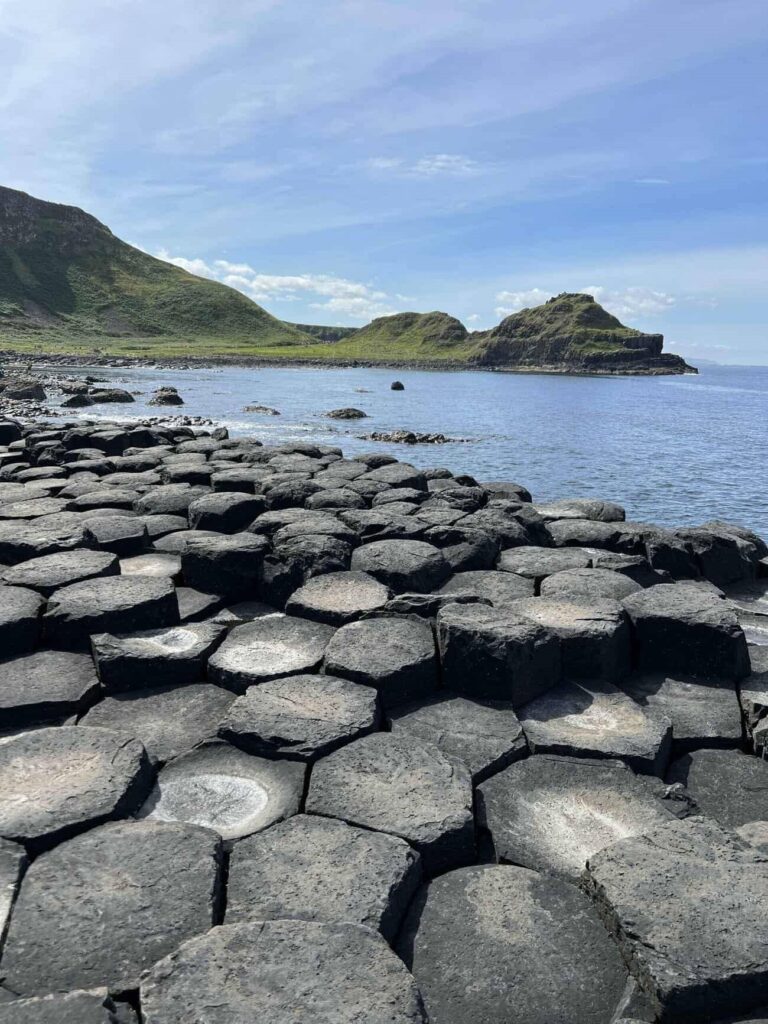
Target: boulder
(727, 785)
(166, 396)
(483, 950)
(300, 717)
(283, 971)
(397, 657)
(346, 414)
(156, 657)
(338, 597)
(45, 686)
(102, 908)
(320, 869)
(397, 385)
(117, 395)
(50, 572)
(403, 565)
(403, 786)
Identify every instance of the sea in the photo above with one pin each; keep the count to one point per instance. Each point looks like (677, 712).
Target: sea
(672, 450)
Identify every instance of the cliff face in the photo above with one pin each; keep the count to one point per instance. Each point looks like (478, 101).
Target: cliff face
(572, 331)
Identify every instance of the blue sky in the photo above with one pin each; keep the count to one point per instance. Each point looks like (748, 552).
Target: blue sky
(343, 159)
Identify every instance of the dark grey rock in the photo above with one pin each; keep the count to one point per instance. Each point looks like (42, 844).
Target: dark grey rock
(160, 525)
(177, 542)
(485, 735)
(21, 542)
(19, 620)
(45, 686)
(426, 606)
(195, 606)
(320, 869)
(686, 903)
(267, 648)
(92, 1007)
(464, 550)
(587, 533)
(168, 499)
(552, 813)
(582, 585)
(395, 656)
(50, 572)
(537, 563)
(727, 785)
(226, 790)
(284, 971)
(56, 782)
(596, 719)
(102, 908)
(500, 588)
(483, 950)
(683, 629)
(13, 863)
(33, 508)
(156, 657)
(404, 786)
(103, 498)
(225, 512)
(122, 535)
(594, 636)
(112, 604)
(582, 508)
(230, 565)
(403, 565)
(169, 720)
(338, 597)
(300, 717)
(702, 715)
(495, 654)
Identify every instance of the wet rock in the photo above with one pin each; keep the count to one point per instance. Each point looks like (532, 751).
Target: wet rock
(112, 604)
(230, 565)
(117, 395)
(45, 686)
(552, 813)
(225, 512)
(500, 588)
(683, 629)
(537, 563)
(21, 390)
(495, 654)
(403, 786)
(702, 715)
(338, 597)
(226, 790)
(321, 869)
(346, 414)
(19, 620)
(485, 735)
(403, 565)
(166, 396)
(300, 717)
(480, 942)
(171, 656)
(169, 720)
(594, 719)
(584, 585)
(56, 782)
(50, 572)
(396, 657)
(77, 401)
(594, 636)
(92, 1007)
(268, 648)
(397, 385)
(727, 785)
(686, 904)
(278, 970)
(104, 907)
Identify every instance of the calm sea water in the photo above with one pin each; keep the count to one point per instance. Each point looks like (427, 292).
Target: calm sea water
(674, 450)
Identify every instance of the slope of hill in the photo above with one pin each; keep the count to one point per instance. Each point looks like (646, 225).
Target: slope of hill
(64, 276)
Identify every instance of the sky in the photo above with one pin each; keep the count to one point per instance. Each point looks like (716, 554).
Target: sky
(338, 160)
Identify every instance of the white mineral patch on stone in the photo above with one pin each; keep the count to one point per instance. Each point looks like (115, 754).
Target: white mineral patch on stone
(174, 640)
(225, 803)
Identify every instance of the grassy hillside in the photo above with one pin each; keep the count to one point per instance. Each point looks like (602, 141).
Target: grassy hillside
(65, 280)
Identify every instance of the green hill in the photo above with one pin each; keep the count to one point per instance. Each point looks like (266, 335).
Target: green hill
(66, 279)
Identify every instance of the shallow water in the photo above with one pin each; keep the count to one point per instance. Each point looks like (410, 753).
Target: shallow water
(675, 450)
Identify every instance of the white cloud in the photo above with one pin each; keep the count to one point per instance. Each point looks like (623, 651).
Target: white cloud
(435, 165)
(511, 302)
(336, 295)
(628, 302)
(652, 181)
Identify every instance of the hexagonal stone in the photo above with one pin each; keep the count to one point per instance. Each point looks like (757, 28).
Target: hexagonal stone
(594, 636)
(50, 572)
(500, 588)
(494, 654)
(596, 719)
(13, 863)
(169, 720)
(300, 717)
(686, 902)
(400, 785)
(395, 656)
(552, 813)
(21, 542)
(586, 585)
(122, 535)
(46, 686)
(483, 950)
(225, 511)
(226, 790)
(102, 908)
(155, 657)
(727, 785)
(684, 629)
(114, 604)
(92, 1007)
(154, 563)
(267, 648)
(582, 508)
(283, 971)
(229, 564)
(403, 564)
(55, 782)
(321, 869)
(486, 735)
(537, 563)
(19, 620)
(195, 606)
(338, 597)
(702, 715)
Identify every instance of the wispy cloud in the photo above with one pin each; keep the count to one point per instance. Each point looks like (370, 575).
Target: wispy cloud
(652, 181)
(436, 165)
